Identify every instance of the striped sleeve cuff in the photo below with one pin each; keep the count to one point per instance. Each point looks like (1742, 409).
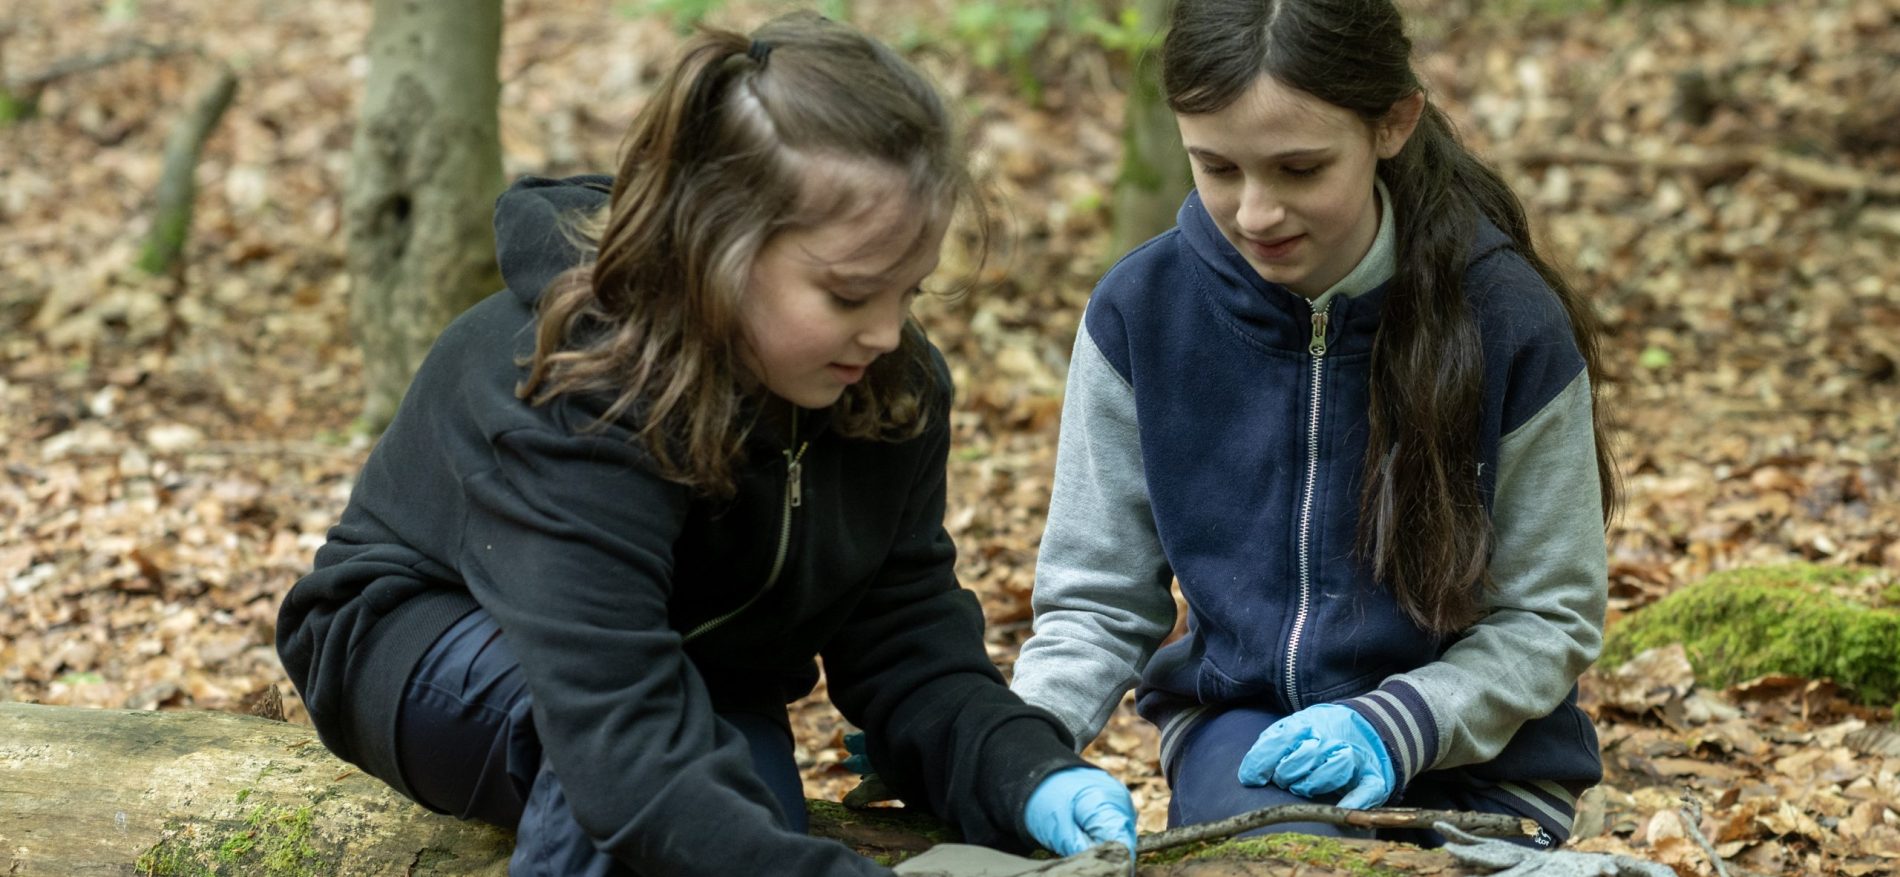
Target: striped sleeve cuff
(1404, 724)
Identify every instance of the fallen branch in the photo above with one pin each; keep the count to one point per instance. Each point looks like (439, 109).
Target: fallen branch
(178, 187)
(34, 82)
(1486, 824)
(1817, 175)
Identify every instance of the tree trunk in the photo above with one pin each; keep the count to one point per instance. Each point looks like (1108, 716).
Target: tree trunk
(98, 792)
(1154, 173)
(425, 170)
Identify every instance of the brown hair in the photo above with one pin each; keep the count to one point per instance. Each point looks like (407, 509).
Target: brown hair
(747, 137)
(1427, 359)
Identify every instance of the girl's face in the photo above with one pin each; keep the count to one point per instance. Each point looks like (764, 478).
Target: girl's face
(823, 302)
(1288, 179)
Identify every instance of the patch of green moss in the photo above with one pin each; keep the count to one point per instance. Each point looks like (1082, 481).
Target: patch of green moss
(824, 814)
(1305, 849)
(1795, 620)
(15, 108)
(431, 858)
(272, 841)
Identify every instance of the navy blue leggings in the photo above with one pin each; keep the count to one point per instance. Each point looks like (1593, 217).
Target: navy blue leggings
(467, 747)
(1204, 787)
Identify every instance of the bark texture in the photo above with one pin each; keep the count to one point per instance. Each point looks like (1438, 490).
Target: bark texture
(1154, 174)
(425, 170)
(85, 792)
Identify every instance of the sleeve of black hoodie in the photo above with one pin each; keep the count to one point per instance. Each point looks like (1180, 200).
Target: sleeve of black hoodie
(568, 544)
(910, 668)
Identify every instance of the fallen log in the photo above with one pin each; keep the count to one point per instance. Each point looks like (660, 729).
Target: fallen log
(87, 792)
(97, 792)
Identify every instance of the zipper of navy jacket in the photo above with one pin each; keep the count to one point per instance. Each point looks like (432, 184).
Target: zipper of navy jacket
(1317, 347)
(794, 497)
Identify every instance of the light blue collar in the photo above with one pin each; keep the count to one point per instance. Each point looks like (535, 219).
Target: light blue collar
(1377, 265)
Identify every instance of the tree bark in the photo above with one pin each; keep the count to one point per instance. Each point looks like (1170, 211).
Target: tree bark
(1154, 172)
(425, 170)
(97, 792)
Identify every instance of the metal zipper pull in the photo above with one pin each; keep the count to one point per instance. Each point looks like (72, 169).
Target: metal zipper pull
(794, 470)
(795, 476)
(1317, 346)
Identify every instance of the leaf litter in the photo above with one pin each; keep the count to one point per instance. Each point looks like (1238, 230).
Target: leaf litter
(176, 451)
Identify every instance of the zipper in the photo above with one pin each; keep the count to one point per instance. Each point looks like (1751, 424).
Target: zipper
(794, 497)
(1316, 346)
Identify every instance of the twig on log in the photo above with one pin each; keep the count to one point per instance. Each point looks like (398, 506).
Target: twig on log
(171, 219)
(1817, 175)
(1485, 824)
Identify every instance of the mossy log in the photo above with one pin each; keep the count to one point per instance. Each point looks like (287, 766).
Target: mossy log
(87, 792)
(96, 792)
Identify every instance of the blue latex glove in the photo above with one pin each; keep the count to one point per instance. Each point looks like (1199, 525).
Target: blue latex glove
(860, 761)
(1321, 749)
(1079, 807)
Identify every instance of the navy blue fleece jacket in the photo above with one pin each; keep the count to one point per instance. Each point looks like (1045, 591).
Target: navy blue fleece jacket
(1214, 431)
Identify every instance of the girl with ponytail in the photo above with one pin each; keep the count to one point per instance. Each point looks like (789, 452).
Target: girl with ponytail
(1351, 410)
(697, 443)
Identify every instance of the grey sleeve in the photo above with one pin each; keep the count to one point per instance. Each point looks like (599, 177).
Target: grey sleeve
(1543, 622)
(1101, 600)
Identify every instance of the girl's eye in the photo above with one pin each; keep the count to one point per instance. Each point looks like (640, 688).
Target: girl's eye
(1216, 170)
(1310, 170)
(846, 304)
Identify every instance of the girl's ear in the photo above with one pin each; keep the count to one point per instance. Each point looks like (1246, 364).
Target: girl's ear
(1399, 123)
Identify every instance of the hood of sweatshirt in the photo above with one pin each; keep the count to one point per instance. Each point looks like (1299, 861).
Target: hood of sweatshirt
(532, 241)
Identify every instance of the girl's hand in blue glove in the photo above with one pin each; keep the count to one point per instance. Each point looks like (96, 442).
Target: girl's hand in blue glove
(1079, 807)
(1323, 748)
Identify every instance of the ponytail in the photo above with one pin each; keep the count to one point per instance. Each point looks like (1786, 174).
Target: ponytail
(714, 165)
(1427, 383)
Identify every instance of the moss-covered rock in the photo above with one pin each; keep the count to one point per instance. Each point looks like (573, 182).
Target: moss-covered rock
(1800, 620)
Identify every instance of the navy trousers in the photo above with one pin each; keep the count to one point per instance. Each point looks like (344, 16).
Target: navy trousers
(467, 747)
(1202, 779)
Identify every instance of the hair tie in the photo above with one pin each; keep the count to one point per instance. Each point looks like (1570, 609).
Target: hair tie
(758, 51)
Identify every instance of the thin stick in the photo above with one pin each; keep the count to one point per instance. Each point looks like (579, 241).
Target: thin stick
(1484, 824)
(1691, 815)
(1809, 172)
(33, 82)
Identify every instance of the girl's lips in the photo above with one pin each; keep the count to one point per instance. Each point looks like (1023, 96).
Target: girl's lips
(849, 374)
(1275, 250)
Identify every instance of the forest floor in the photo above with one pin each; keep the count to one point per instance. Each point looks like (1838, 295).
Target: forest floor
(175, 449)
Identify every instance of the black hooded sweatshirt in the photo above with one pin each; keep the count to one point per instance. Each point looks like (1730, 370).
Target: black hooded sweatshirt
(595, 568)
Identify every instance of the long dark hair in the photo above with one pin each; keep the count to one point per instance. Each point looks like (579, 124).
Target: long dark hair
(728, 152)
(1420, 471)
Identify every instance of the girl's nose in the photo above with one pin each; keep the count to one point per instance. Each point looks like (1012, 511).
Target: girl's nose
(1259, 211)
(885, 328)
